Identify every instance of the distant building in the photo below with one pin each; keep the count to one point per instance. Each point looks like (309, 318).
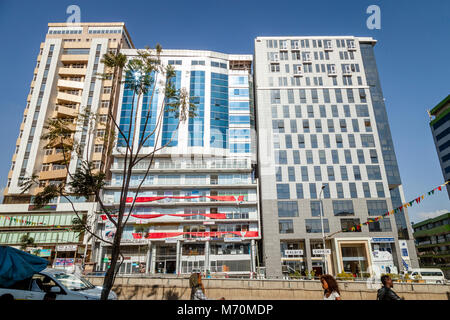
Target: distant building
(433, 243)
(440, 127)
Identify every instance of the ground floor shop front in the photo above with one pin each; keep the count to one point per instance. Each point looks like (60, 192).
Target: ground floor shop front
(183, 257)
(359, 257)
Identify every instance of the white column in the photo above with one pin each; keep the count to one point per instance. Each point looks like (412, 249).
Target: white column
(149, 258)
(207, 266)
(178, 257)
(153, 260)
(253, 257)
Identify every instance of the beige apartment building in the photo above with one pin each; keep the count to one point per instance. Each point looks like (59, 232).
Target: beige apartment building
(64, 84)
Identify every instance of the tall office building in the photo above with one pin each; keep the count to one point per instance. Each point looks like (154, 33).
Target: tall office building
(197, 208)
(440, 128)
(64, 84)
(321, 121)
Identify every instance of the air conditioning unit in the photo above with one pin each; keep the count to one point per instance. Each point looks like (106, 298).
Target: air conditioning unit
(276, 57)
(327, 45)
(295, 45)
(298, 71)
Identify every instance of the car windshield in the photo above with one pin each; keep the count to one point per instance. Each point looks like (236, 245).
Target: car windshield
(73, 282)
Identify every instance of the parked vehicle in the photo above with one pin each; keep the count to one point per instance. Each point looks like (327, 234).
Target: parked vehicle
(53, 284)
(429, 275)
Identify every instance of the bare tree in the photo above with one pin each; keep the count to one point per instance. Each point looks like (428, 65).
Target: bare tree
(143, 74)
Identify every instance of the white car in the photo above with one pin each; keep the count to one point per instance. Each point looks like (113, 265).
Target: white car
(53, 284)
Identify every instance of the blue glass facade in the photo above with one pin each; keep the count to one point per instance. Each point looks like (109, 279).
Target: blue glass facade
(387, 146)
(197, 124)
(219, 110)
(170, 122)
(125, 114)
(151, 108)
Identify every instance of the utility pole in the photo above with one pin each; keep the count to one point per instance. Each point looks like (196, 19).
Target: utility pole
(323, 233)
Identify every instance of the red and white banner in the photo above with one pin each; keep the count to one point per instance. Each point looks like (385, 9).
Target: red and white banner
(214, 234)
(157, 215)
(218, 198)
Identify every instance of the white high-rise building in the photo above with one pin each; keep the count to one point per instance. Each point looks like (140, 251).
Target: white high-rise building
(197, 208)
(321, 121)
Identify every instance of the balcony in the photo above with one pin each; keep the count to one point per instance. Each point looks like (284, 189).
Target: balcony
(72, 71)
(53, 174)
(75, 58)
(433, 232)
(56, 157)
(69, 84)
(65, 111)
(68, 97)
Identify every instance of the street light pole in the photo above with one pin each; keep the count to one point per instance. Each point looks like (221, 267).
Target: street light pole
(323, 233)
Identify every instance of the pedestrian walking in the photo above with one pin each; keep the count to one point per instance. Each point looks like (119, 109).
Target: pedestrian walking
(330, 288)
(197, 288)
(386, 292)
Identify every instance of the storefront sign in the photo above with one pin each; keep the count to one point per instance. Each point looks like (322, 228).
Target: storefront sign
(171, 241)
(66, 248)
(321, 251)
(64, 262)
(293, 252)
(44, 208)
(232, 239)
(389, 240)
(41, 252)
(209, 222)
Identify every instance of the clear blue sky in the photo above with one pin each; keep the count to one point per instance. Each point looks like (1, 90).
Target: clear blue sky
(412, 55)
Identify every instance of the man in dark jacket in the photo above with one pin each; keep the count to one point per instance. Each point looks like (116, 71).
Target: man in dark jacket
(386, 292)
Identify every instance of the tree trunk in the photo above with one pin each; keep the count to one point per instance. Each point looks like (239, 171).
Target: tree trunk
(110, 273)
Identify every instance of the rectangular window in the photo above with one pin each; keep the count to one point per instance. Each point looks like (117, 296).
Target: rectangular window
(299, 188)
(343, 208)
(315, 208)
(366, 189)
(283, 191)
(288, 140)
(301, 140)
(312, 191)
(315, 225)
(286, 226)
(353, 192)
(296, 156)
(347, 224)
(298, 111)
(293, 126)
(373, 172)
(309, 157)
(360, 155)
(322, 157)
(317, 173)
(278, 174)
(376, 207)
(380, 189)
(330, 171)
(344, 175)
(291, 173)
(357, 173)
(304, 173)
(339, 190)
(280, 157)
(287, 209)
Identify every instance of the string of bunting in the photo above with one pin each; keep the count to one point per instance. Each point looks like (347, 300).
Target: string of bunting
(396, 210)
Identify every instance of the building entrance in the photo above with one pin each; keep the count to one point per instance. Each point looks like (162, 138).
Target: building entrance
(166, 258)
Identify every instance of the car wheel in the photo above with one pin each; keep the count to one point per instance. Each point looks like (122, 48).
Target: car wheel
(6, 297)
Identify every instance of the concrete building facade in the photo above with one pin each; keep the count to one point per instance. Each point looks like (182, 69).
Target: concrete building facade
(321, 121)
(64, 84)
